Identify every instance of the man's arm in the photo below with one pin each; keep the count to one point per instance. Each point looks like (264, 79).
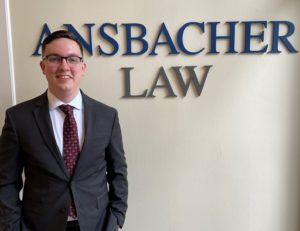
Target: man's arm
(117, 173)
(10, 178)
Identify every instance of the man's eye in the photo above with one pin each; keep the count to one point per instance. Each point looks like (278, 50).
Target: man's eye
(73, 59)
(54, 59)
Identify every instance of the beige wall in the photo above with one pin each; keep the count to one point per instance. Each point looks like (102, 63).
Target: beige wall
(227, 160)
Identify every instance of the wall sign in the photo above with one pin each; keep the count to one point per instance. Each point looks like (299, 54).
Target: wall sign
(252, 35)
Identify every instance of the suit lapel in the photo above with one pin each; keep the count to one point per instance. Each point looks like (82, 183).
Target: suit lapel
(43, 120)
(89, 117)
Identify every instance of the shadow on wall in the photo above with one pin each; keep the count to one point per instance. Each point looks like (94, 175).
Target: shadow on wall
(293, 174)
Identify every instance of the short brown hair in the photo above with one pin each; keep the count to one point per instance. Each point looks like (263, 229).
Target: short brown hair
(60, 34)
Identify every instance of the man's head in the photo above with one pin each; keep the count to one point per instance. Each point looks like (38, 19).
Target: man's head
(62, 64)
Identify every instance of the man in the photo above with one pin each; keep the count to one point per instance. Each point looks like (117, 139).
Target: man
(70, 148)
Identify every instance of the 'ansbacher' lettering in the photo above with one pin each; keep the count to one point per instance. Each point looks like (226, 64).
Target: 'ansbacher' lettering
(136, 38)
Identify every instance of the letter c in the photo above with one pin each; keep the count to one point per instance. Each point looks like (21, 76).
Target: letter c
(180, 37)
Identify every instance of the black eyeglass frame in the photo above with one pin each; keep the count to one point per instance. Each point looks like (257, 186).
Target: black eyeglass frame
(46, 57)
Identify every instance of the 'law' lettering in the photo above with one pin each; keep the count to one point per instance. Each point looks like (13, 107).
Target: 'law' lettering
(163, 82)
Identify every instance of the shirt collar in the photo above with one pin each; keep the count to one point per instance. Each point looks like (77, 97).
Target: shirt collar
(54, 102)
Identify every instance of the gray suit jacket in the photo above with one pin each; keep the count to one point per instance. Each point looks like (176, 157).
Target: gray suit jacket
(98, 185)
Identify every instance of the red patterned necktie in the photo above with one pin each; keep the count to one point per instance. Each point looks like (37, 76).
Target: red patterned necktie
(70, 145)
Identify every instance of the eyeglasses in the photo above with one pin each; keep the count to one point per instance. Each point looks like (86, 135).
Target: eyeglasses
(57, 60)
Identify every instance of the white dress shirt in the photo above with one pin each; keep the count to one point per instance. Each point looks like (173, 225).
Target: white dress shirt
(58, 116)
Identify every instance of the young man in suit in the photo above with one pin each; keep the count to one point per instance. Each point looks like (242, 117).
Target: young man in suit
(70, 148)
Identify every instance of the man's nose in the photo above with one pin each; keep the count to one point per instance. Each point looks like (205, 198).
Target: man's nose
(64, 63)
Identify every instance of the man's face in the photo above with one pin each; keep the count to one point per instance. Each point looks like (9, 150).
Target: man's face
(63, 78)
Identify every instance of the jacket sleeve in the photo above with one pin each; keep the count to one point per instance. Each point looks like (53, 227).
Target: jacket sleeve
(117, 173)
(10, 177)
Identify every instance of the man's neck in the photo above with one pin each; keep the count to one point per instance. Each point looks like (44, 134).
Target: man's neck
(65, 97)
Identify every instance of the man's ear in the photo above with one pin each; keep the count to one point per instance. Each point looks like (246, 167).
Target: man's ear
(83, 68)
(42, 65)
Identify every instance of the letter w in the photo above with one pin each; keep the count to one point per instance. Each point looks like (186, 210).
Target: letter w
(192, 79)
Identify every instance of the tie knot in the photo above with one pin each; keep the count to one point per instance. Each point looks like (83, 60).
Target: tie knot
(67, 109)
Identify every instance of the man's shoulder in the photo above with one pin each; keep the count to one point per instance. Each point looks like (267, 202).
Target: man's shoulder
(97, 105)
(28, 104)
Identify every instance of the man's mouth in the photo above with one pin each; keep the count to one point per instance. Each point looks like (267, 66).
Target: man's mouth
(63, 76)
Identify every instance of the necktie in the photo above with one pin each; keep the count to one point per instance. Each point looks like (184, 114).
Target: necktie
(70, 145)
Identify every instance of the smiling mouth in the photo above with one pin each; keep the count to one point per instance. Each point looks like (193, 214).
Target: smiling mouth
(63, 77)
